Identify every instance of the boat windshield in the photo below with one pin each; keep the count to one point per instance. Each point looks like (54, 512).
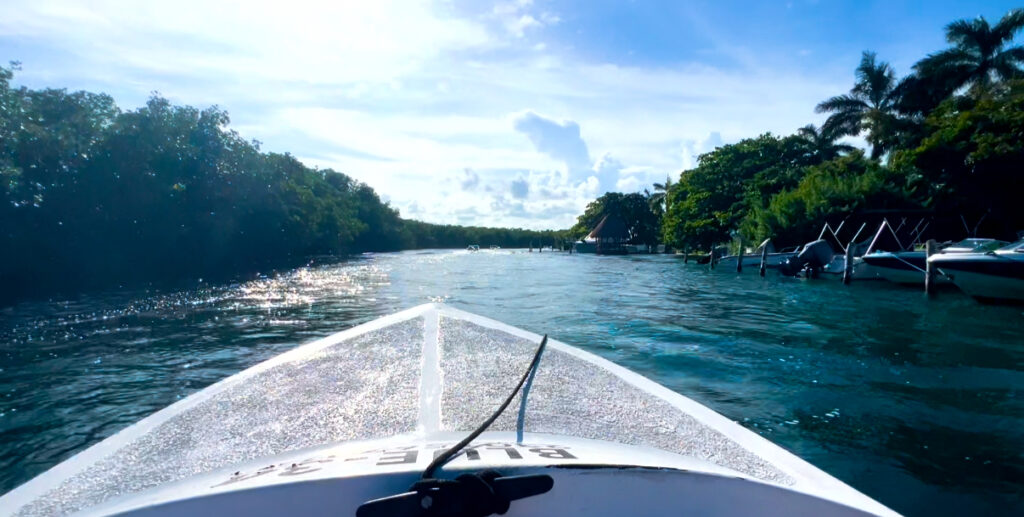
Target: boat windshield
(976, 245)
(1017, 247)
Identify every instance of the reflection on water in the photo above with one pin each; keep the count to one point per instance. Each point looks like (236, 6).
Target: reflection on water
(910, 400)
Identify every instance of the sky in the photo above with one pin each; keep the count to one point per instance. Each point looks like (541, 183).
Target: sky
(512, 113)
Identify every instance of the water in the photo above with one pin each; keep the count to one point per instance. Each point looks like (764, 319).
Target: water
(912, 401)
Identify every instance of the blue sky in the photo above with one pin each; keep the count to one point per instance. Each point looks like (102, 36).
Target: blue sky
(490, 113)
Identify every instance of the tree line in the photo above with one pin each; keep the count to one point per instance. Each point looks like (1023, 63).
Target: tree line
(946, 141)
(92, 196)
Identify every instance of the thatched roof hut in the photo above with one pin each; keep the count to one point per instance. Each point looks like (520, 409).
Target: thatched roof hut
(610, 229)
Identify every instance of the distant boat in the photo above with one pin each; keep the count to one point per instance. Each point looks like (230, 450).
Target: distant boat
(826, 256)
(495, 247)
(584, 247)
(473, 247)
(987, 276)
(908, 267)
(753, 259)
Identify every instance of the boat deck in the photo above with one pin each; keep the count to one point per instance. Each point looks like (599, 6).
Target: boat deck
(426, 370)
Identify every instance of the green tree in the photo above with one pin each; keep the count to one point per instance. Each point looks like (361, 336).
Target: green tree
(10, 122)
(633, 209)
(91, 196)
(834, 188)
(970, 159)
(821, 142)
(869, 107)
(710, 200)
(659, 199)
(980, 54)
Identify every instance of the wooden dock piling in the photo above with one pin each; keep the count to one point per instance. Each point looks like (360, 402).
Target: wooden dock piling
(739, 258)
(848, 267)
(764, 260)
(711, 259)
(686, 255)
(929, 270)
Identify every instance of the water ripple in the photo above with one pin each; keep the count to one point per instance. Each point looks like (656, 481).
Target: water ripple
(873, 383)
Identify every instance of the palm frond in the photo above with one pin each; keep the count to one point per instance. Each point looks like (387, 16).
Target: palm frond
(841, 103)
(918, 94)
(967, 33)
(1011, 23)
(1007, 65)
(936, 62)
(874, 79)
(844, 123)
(663, 187)
(956, 30)
(808, 132)
(1015, 54)
(830, 134)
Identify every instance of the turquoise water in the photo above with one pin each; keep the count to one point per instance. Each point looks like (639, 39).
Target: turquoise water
(913, 401)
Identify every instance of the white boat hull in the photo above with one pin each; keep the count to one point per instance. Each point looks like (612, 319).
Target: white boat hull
(995, 275)
(774, 260)
(336, 480)
(357, 415)
(988, 287)
(861, 270)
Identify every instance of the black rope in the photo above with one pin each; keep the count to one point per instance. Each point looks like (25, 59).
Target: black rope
(447, 455)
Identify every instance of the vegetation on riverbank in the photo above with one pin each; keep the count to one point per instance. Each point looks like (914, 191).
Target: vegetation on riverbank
(93, 196)
(947, 140)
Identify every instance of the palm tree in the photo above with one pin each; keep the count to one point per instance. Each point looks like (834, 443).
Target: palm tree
(870, 106)
(822, 142)
(659, 199)
(979, 55)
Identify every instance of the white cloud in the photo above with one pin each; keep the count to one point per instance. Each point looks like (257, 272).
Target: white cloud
(516, 19)
(470, 180)
(265, 40)
(629, 184)
(520, 188)
(519, 25)
(399, 94)
(559, 140)
(607, 170)
(692, 149)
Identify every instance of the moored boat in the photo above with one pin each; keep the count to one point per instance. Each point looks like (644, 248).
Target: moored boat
(990, 276)
(908, 267)
(365, 422)
(827, 257)
(773, 259)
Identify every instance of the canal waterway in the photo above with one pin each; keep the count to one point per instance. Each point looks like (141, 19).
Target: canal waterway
(914, 401)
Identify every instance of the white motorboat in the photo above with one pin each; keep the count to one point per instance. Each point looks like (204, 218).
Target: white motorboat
(826, 256)
(773, 259)
(885, 240)
(989, 276)
(908, 267)
(363, 423)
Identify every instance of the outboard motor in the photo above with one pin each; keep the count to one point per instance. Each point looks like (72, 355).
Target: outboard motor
(813, 257)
